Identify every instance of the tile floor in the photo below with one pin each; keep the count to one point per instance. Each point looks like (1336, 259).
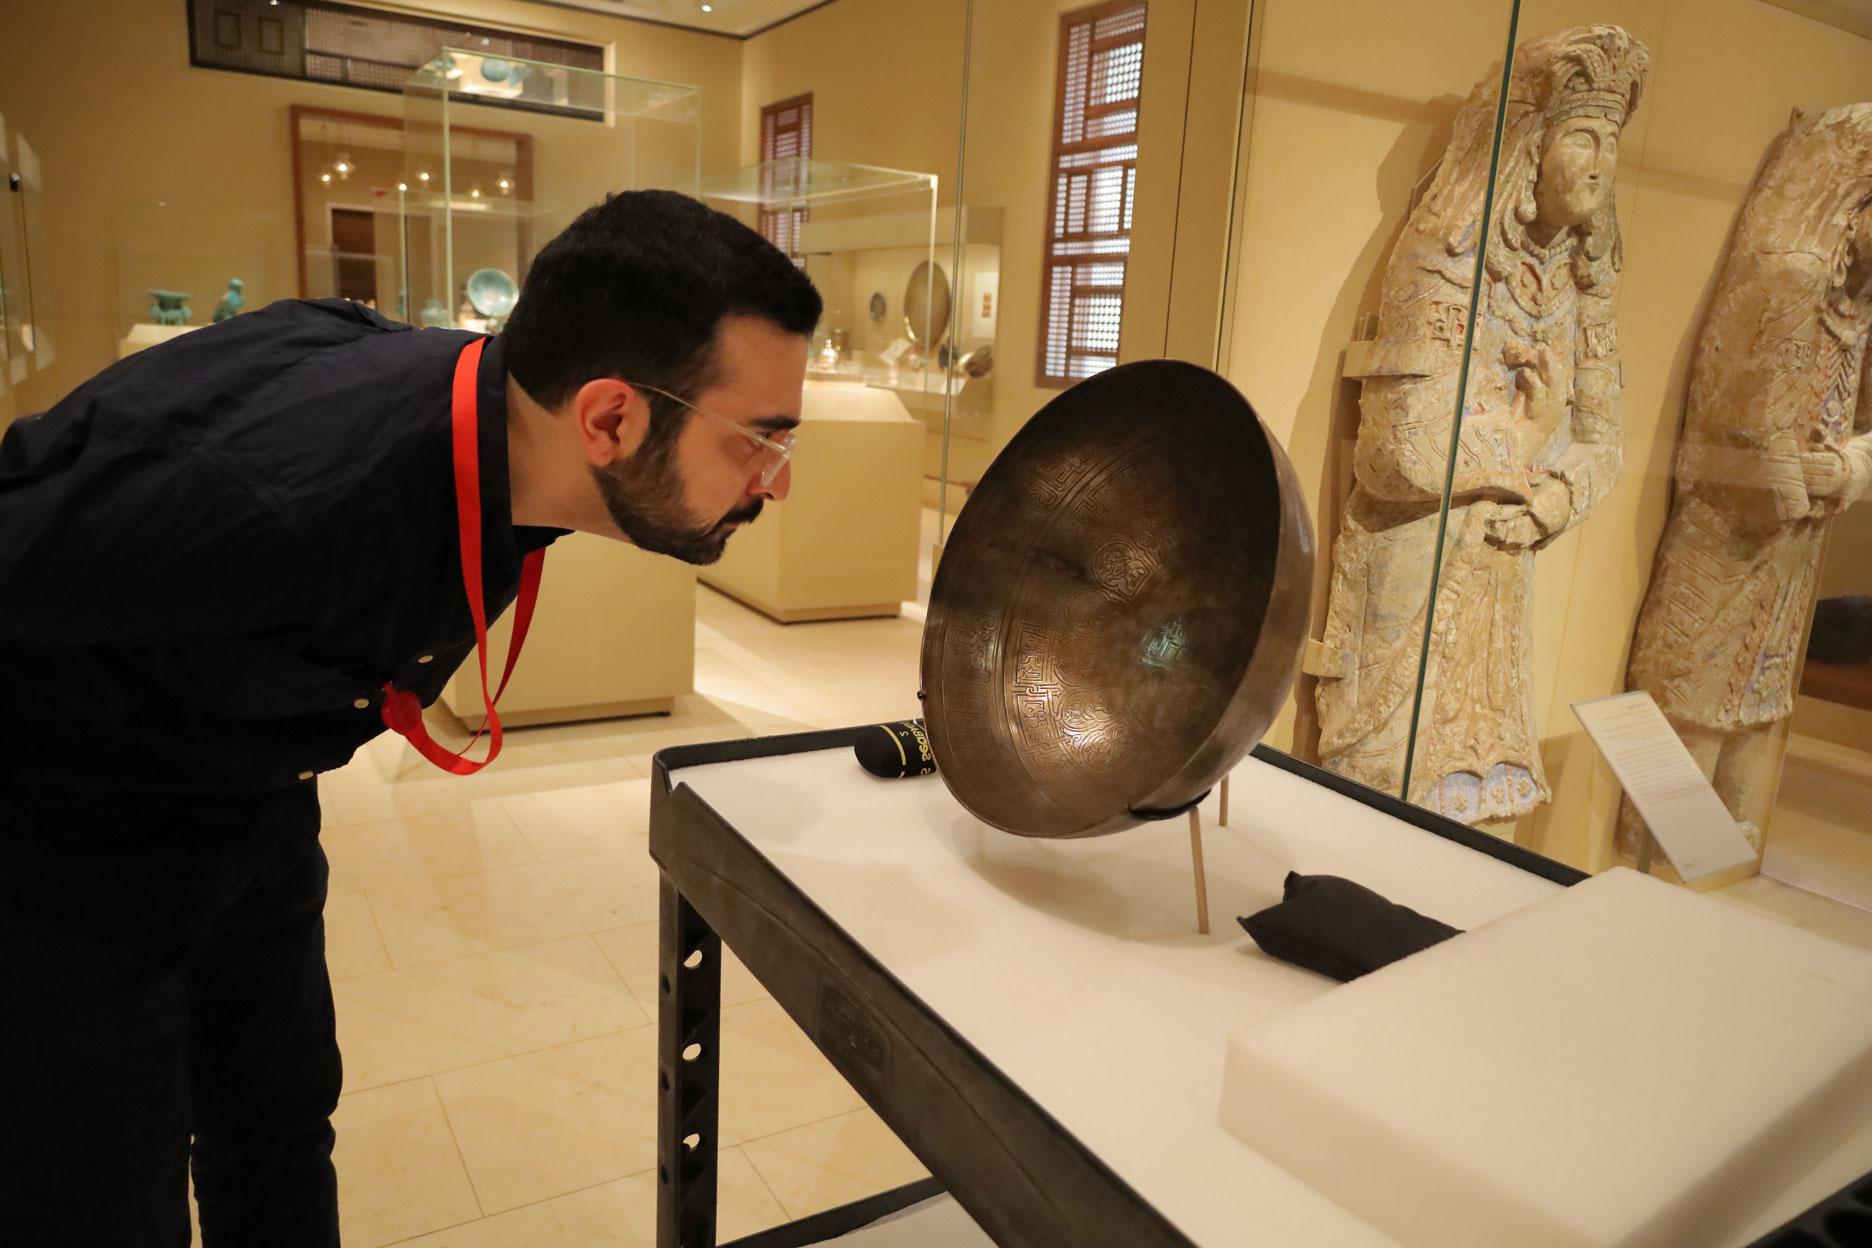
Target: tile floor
(492, 943)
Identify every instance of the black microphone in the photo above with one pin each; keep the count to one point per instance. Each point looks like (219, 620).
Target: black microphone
(893, 751)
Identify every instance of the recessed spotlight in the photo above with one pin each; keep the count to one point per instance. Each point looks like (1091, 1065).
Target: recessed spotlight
(325, 177)
(505, 185)
(422, 177)
(343, 166)
(402, 186)
(475, 193)
(708, 8)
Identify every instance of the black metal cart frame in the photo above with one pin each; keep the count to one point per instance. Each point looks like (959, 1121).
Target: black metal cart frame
(1026, 1180)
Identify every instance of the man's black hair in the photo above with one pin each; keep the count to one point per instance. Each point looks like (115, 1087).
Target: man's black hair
(636, 288)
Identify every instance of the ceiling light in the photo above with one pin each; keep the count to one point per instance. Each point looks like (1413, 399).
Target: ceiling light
(422, 177)
(343, 166)
(475, 193)
(506, 185)
(708, 8)
(325, 177)
(402, 186)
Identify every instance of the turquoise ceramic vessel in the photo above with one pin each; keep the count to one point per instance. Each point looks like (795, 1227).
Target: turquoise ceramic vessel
(492, 293)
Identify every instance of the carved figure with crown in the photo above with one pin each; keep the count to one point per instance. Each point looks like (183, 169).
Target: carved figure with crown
(1777, 441)
(1538, 446)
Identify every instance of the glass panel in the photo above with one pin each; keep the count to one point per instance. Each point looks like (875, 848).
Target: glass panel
(482, 189)
(15, 288)
(1361, 199)
(179, 264)
(1579, 404)
(35, 337)
(348, 167)
(795, 181)
(1690, 565)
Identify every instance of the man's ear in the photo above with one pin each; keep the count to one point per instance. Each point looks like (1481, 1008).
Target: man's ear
(612, 418)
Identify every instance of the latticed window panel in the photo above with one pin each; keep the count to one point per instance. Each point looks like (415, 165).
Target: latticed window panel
(786, 144)
(781, 226)
(354, 46)
(1094, 189)
(1084, 310)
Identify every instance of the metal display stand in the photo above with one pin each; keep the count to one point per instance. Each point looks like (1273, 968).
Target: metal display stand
(1026, 1180)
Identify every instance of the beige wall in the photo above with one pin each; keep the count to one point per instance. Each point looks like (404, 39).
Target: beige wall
(1343, 125)
(104, 92)
(885, 77)
(1014, 54)
(886, 82)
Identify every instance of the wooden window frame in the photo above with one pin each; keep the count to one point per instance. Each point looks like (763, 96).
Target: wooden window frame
(771, 215)
(1060, 150)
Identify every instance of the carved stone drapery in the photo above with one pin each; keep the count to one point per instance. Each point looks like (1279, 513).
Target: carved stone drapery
(1777, 440)
(1538, 446)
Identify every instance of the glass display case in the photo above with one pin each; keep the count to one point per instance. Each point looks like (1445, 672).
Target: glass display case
(482, 189)
(25, 270)
(898, 307)
(179, 266)
(1561, 315)
(346, 170)
(844, 543)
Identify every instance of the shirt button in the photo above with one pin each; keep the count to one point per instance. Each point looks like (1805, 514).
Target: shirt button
(362, 704)
(306, 775)
(427, 658)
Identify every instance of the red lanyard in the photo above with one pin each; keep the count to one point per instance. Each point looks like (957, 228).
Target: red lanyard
(402, 711)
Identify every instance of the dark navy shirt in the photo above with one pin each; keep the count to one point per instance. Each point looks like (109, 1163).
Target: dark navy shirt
(215, 553)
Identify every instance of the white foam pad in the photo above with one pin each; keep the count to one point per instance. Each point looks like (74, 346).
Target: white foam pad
(1623, 1063)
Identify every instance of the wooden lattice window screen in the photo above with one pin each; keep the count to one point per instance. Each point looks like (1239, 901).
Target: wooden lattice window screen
(786, 135)
(1088, 239)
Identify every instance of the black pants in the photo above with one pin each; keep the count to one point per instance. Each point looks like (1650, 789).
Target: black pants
(162, 977)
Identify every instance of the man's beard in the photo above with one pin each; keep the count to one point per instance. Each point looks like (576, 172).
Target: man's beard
(644, 495)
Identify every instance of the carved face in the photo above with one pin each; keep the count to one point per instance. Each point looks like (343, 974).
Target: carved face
(1578, 160)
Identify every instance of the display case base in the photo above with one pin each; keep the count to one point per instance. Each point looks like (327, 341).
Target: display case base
(807, 615)
(572, 714)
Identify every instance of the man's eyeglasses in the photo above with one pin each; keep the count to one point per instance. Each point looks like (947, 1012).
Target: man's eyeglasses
(775, 452)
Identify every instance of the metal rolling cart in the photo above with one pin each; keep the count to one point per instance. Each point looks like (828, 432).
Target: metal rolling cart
(1001, 1149)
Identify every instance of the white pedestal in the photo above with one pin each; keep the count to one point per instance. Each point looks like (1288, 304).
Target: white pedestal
(613, 635)
(146, 334)
(844, 544)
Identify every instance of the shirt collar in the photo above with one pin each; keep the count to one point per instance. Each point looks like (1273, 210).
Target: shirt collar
(502, 542)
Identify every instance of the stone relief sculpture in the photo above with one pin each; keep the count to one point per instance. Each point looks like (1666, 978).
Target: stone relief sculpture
(1539, 443)
(1777, 440)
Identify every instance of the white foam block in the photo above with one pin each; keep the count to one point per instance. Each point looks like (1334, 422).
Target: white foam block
(1623, 1063)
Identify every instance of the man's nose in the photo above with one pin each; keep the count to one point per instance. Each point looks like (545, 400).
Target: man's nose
(777, 489)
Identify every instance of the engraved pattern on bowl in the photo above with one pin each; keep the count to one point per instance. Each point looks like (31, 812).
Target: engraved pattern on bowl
(1119, 610)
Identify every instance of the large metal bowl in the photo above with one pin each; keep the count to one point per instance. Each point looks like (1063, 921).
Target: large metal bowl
(1119, 611)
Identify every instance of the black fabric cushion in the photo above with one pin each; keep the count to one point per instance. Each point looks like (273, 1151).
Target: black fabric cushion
(1339, 928)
